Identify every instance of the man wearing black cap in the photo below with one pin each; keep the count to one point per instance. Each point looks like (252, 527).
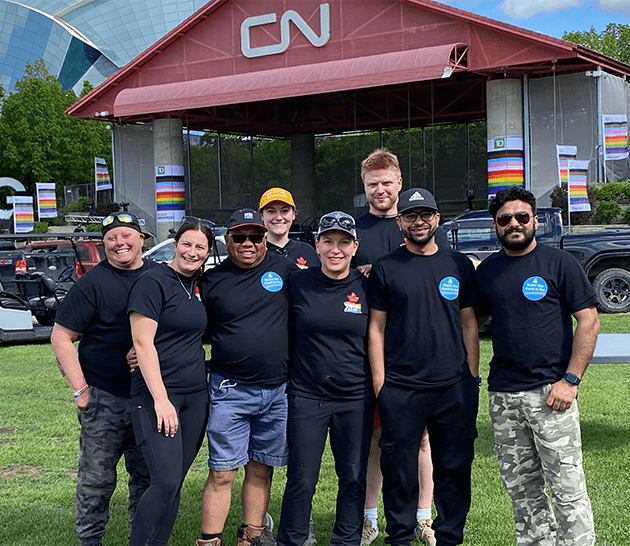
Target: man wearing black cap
(95, 309)
(424, 354)
(247, 301)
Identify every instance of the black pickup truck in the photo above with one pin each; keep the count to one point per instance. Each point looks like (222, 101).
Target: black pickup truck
(603, 253)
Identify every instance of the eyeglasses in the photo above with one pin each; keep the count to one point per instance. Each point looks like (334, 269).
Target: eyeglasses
(240, 238)
(412, 215)
(521, 217)
(193, 220)
(329, 221)
(125, 218)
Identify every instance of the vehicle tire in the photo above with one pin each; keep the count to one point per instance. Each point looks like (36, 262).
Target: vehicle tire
(612, 287)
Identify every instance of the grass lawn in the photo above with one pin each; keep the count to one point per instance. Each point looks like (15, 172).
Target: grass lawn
(39, 446)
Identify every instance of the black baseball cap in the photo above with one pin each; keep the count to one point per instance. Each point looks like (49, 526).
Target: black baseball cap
(414, 198)
(245, 217)
(120, 219)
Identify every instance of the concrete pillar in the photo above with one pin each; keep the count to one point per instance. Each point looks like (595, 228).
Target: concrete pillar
(168, 151)
(303, 175)
(505, 134)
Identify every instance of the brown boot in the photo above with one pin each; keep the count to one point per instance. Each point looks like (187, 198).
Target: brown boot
(212, 542)
(250, 535)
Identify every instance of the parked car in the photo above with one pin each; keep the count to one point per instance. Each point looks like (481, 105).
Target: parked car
(164, 252)
(12, 262)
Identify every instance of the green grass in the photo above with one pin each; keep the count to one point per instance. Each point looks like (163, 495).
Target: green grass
(39, 445)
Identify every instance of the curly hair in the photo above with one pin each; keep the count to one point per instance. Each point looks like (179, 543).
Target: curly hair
(511, 193)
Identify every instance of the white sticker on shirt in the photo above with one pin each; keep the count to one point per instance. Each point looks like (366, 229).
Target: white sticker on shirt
(535, 288)
(449, 288)
(272, 282)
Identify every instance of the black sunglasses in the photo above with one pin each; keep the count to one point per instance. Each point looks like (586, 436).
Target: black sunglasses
(411, 215)
(329, 221)
(193, 220)
(240, 238)
(521, 217)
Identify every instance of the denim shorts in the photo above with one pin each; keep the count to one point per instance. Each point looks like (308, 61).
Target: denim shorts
(246, 422)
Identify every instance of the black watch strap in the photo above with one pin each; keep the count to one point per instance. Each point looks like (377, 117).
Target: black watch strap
(572, 378)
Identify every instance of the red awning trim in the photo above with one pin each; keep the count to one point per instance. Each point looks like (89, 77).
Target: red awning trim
(328, 77)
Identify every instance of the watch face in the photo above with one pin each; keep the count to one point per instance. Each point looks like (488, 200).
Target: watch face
(572, 378)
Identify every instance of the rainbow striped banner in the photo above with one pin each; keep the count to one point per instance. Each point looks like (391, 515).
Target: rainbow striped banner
(506, 163)
(578, 194)
(565, 154)
(23, 218)
(101, 175)
(169, 193)
(46, 200)
(615, 137)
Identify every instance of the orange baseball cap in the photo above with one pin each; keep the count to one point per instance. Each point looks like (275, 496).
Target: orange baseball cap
(276, 194)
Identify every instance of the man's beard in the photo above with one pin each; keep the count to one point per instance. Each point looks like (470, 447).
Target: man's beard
(519, 244)
(420, 240)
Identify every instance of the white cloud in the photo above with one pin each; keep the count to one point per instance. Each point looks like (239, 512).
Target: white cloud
(523, 9)
(617, 6)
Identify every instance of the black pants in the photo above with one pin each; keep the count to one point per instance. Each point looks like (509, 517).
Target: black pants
(349, 423)
(168, 460)
(449, 415)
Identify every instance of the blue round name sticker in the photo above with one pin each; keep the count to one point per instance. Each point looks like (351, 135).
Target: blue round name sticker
(535, 288)
(449, 288)
(272, 282)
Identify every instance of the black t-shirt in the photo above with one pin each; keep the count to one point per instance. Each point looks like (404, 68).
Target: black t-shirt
(248, 319)
(379, 235)
(329, 357)
(159, 295)
(422, 295)
(96, 306)
(531, 299)
(301, 254)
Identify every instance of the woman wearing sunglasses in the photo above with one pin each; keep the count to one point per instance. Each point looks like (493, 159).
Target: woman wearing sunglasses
(169, 393)
(329, 390)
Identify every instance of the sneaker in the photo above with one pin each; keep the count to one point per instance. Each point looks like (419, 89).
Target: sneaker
(250, 535)
(212, 542)
(310, 540)
(369, 532)
(267, 538)
(425, 533)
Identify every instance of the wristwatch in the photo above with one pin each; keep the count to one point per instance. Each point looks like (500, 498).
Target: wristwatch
(572, 378)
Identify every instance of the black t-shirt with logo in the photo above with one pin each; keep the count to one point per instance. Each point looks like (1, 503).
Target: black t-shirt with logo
(422, 296)
(248, 319)
(163, 295)
(329, 358)
(531, 299)
(96, 307)
(301, 254)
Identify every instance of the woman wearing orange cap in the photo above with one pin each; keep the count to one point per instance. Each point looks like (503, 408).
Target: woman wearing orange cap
(277, 209)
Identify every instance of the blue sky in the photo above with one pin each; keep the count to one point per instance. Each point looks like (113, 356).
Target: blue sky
(551, 17)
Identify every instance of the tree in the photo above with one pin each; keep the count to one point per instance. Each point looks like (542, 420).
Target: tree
(614, 42)
(39, 142)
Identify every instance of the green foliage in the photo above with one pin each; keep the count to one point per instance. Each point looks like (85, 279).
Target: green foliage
(613, 42)
(40, 227)
(39, 142)
(614, 191)
(559, 198)
(105, 209)
(80, 205)
(607, 211)
(626, 216)
(93, 227)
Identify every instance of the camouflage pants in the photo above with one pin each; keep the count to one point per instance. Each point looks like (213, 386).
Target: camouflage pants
(106, 435)
(536, 445)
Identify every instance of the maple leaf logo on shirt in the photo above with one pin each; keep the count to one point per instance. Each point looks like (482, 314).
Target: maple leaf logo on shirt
(353, 298)
(352, 305)
(301, 263)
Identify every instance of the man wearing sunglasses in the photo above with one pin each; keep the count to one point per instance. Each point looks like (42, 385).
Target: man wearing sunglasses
(424, 355)
(532, 292)
(247, 302)
(95, 310)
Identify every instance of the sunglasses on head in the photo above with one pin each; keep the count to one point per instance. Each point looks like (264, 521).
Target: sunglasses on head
(329, 221)
(240, 238)
(193, 220)
(125, 218)
(521, 217)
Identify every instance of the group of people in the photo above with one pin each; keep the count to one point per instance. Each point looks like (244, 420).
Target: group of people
(370, 340)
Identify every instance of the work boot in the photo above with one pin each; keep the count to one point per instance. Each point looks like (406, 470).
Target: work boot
(250, 535)
(211, 542)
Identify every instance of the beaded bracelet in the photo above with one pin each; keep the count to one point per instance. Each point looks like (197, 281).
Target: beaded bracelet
(81, 390)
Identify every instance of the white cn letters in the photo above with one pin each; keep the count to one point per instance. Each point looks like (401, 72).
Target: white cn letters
(285, 37)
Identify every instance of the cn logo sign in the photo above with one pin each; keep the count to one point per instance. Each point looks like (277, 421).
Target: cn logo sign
(285, 37)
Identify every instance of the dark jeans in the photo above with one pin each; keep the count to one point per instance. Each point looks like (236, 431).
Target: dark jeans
(449, 414)
(168, 460)
(349, 423)
(106, 435)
